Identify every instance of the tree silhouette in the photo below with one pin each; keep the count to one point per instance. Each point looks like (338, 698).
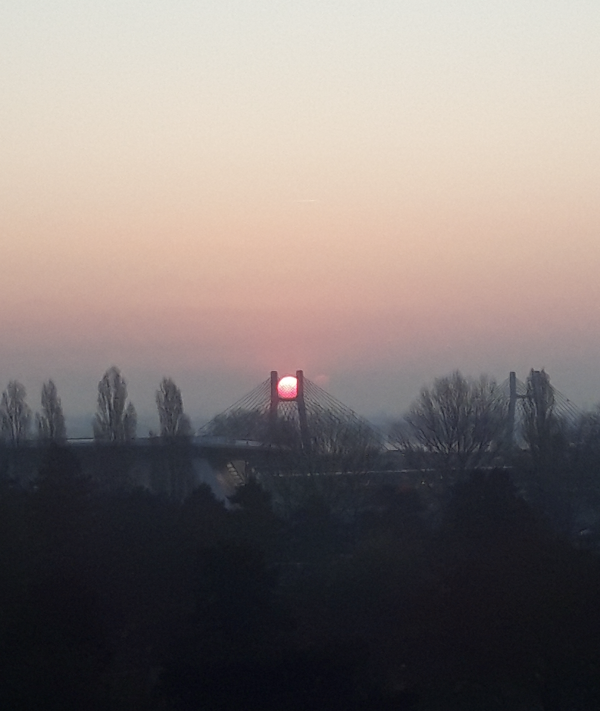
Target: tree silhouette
(15, 414)
(543, 430)
(458, 419)
(173, 421)
(116, 419)
(240, 424)
(51, 421)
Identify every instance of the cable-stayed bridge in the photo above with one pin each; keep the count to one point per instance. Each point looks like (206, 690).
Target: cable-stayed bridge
(288, 411)
(564, 408)
(537, 395)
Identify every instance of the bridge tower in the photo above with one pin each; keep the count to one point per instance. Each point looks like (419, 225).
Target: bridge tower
(544, 400)
(289, 390)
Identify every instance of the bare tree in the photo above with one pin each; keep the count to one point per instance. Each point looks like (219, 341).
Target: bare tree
(459, 420)
(51, 421)
(343, 445)
(116, 419)
(173, 421)
(329, 464)
(15, 414)
(239, 424)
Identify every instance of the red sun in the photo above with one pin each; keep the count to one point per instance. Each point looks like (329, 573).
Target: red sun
(287, 388)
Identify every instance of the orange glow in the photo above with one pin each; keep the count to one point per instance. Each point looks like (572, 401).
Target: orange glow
(287, 388)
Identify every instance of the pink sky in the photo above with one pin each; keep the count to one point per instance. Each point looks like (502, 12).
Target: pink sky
(375, 193)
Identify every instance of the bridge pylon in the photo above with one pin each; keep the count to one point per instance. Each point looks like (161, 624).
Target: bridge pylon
(289, 389)
(539, 399)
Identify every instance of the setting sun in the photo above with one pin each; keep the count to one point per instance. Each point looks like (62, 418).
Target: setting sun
(287, 388)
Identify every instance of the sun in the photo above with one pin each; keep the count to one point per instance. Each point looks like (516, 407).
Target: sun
(287, 388)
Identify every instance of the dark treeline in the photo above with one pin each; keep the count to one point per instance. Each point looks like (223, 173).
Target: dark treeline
(115, 419)
(413, 598)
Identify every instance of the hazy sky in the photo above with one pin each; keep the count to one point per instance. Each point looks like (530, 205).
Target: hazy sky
(376, 192)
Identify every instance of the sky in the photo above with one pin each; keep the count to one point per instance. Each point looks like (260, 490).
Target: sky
(377, 193)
